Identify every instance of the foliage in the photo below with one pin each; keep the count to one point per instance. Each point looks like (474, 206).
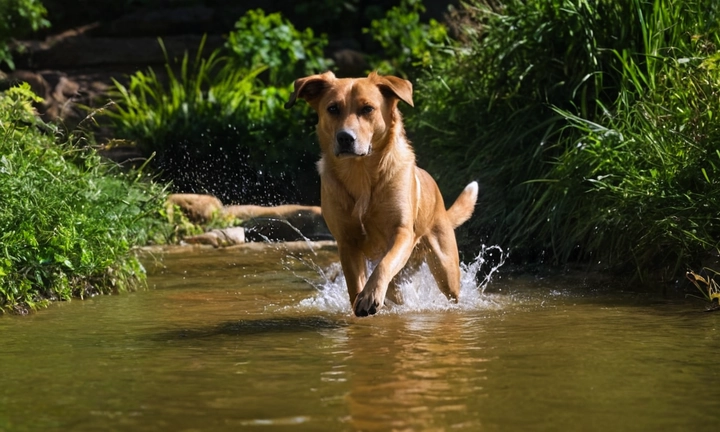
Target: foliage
(67, 220)
(218, 125)
(151, 111)
(273, 41)
(407, 42)
(589, 125)
(19, 17)
(645, 180)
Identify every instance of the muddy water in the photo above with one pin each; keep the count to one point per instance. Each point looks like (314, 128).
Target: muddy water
(255, 340)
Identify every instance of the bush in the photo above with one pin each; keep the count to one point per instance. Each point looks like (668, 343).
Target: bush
(218, 126)
(407, 43)
(67, 220)
(272, 41)
(587, 124)
(19, 17)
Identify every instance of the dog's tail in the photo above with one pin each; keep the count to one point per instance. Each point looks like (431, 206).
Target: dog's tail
(463, 207)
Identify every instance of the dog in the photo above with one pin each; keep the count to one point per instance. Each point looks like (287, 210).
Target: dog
(376, 202)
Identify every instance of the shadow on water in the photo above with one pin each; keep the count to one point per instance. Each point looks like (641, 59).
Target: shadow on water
(270, 326)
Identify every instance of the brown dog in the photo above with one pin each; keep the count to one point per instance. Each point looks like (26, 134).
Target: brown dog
(376, 202)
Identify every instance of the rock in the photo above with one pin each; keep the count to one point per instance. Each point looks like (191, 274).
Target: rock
(62, 95)
(219, 237)
(39, 86)
(38, 83)
(153, 251)
(61, 102)
(198, 208)
(246, 212)
(281, 223)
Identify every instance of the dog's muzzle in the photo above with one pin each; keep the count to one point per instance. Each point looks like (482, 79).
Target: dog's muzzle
(347, 145)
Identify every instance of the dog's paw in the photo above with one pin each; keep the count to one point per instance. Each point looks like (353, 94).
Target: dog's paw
(366, 304)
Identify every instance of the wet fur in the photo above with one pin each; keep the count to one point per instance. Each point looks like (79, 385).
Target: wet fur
(377, 203)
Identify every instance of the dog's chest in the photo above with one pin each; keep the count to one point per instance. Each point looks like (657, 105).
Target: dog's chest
(367, 211)
(375, 242)
(377, 228)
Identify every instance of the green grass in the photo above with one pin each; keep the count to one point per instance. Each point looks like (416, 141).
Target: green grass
(203, 89)
(68, 221)
(643, 182)
(591, 127)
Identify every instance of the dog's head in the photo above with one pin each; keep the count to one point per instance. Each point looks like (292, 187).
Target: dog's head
(355, 115)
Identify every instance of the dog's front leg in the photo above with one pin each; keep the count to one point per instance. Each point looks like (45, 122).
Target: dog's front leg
(354, 268)
(372, 297)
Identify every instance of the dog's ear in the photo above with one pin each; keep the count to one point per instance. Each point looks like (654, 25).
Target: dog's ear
(310, 88)
(394, 86)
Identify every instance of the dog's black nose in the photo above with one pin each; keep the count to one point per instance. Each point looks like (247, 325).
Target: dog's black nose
(345, 139)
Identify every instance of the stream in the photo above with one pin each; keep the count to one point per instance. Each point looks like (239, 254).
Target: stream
(262, 338)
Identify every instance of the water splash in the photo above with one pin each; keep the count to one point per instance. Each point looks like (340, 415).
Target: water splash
(420, 292)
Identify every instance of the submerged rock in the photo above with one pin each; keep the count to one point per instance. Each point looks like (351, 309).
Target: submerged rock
(289, 222)
(198, 208)
(219, 237)
(246, 212)
(281, 223)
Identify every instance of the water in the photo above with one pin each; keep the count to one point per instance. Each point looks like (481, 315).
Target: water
(254, 339)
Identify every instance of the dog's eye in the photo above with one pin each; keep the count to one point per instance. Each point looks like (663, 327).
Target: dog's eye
(333, 109)
(367, 109)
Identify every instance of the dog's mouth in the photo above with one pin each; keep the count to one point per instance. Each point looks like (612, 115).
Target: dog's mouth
(344, 153)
